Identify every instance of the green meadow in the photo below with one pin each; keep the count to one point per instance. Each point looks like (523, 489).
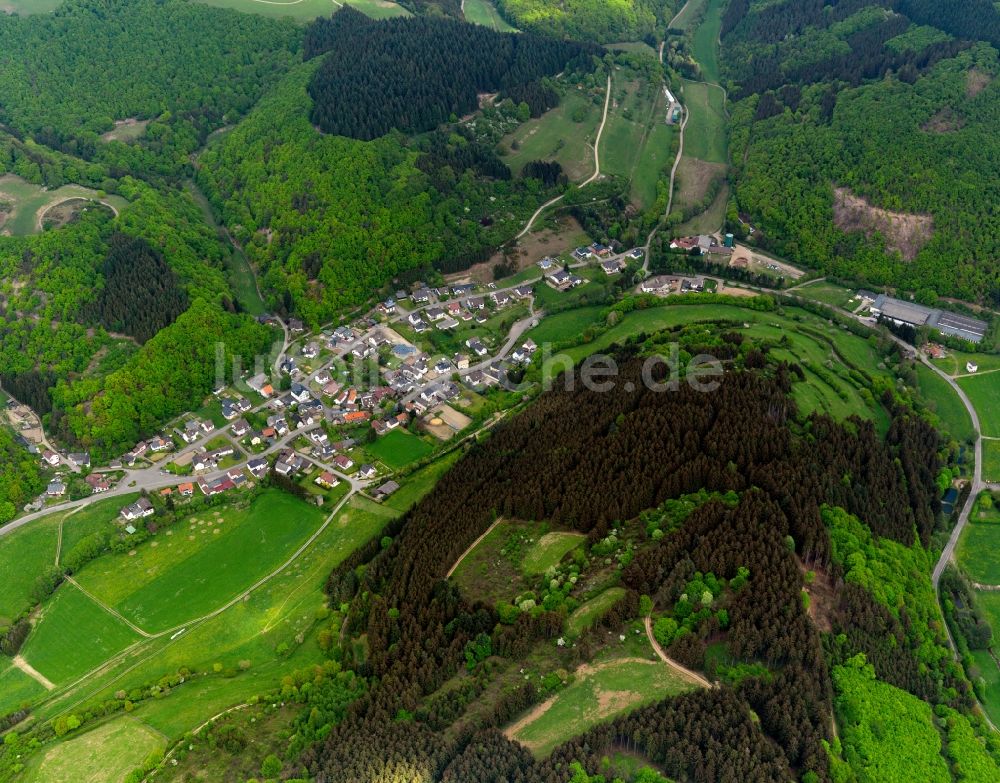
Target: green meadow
(203, 561)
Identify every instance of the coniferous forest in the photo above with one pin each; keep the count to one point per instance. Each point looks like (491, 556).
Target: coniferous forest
(413, 74)
(589, 460)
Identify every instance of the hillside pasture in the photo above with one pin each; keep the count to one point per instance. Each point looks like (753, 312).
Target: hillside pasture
(636, 143)
(271, 631)
(597, 694)
(108, 752)
(483, 12)
(557, 136)
(16, 688)
(24, 554)
(984, 393)
(705, 132)
(497, 567)
(27, 203)
(978, 547)
(942, 399)
(73, 636)
(201, 562)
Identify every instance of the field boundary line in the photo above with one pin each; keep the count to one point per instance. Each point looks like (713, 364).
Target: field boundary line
(113, 612)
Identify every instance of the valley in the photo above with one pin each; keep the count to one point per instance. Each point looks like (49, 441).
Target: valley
(391, 394)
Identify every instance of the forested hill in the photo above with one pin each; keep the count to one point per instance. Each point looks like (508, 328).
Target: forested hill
(95, 61)
(865, 140)
(413, 74)
(552, 462)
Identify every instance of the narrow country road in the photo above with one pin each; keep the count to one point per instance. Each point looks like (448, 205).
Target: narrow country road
(686, 673)
(591, 178)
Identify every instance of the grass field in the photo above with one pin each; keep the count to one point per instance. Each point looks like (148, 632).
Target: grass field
(705, 45)
(73, 636)
(991, 460)
(30, 200)
(828, 293)
(689, 12)
(587, 613)
(269, 631)
(485, 13)
(705, 132)
(16, 688)
(199, 564)
(979, 549)
(943, 400)
(984, 393)
(399, 448)
(567, 325)
(494, 570)
(990, 673)
(107, 753)
(814, 343)
(598, 694)
(555, 136)
(24, 554)
(636, 143)
(549, 550)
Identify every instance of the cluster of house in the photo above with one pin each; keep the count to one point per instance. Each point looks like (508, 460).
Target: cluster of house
(449, 315)
(705, 244)
(233, 407)
(669, 284)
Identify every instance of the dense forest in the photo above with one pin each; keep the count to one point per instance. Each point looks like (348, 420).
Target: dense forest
(93, 62)
(553, 461)
(413, 74)
(328, 220)
(20, 478)
(141, 293)
(865, 142)
(170, 374)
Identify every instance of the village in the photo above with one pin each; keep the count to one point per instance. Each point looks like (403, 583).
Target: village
(420, 364)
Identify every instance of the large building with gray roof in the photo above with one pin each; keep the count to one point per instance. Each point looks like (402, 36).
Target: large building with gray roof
(901, 312)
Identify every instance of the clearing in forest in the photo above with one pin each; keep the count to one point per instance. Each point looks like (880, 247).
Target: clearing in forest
(904, 233)
(598, 693)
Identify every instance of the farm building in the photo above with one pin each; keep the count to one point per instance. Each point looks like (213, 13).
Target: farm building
(901, 313)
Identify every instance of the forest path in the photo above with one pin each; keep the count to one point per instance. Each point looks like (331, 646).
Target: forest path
(472, 546)
(686, 673)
